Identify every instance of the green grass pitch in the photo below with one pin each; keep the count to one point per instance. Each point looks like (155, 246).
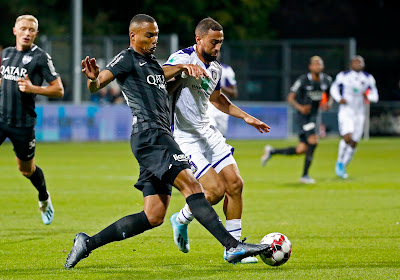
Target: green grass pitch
(340, 229)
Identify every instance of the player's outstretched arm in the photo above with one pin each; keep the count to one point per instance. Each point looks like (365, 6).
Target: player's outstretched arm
(96, 79)
(171, 71)
(222, 103)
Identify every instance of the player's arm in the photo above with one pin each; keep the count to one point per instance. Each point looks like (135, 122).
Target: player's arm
(96, 79)
(230, 91)
(335, 90)
(372, 93)
(173, 84)
(303, 109)
(55, 88)
(171, 71)
(222, 103)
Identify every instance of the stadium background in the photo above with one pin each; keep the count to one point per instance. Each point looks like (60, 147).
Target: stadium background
(339, 229)
(268, 47)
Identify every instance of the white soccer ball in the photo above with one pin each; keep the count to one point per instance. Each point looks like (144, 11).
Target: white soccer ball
(281, 249)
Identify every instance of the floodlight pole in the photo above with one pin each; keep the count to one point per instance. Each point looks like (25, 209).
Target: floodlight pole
(77, 50)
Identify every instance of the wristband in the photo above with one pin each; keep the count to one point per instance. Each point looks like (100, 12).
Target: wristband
(93, 81)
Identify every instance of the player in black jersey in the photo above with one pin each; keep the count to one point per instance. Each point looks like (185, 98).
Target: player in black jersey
(162, 163)
(23, 69)
(305, 96)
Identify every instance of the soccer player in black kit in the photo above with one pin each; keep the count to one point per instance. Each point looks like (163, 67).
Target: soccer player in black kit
(162, 163)
(305, 96)
(23, 69)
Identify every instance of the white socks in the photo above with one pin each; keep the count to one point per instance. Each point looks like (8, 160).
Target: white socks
(234, 227)
(348, 155)
(345, 153)
(342, 148)
(185, 216)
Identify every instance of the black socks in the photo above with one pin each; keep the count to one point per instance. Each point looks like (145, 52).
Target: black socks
(207, 217)
(309, 158)
(285, 151)
(125, 227)
(38, 181)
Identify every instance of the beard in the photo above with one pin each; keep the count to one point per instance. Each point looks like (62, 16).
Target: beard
(208, 57)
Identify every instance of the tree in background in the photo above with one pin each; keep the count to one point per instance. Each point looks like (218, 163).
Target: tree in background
(242, 19)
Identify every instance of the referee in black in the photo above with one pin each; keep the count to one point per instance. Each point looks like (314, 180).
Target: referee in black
(23, 69)
(162, 163)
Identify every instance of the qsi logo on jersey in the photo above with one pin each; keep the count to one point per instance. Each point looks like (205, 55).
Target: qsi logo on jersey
(156, 80)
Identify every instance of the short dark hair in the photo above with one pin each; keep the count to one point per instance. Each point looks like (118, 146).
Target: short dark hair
(206, 24)
(139, 18)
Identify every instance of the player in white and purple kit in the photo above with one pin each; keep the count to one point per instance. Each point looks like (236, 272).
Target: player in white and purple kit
(352, 90)
(197, 76)
(219, 119)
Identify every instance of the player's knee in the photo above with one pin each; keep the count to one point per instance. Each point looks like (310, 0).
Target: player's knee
(301, 149)
(155, 220)
(235, 186)
(25, 171)
(353, 144)
(215, 194)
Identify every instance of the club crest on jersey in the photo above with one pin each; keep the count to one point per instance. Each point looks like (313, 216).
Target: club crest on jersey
(214, 74)
(26, 59)
(193, 167)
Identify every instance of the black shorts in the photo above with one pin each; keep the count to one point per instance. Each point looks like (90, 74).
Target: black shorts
(307, 126)
(160, 160)
(22, 138)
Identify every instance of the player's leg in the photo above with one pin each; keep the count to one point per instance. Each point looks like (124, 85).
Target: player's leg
(187, 184)
(24, 143)
(233, 203)
(3, 133)
(312, 141)
(353, 139)
(347, 146)
(214, 190)
(155, 208)
(269, 151)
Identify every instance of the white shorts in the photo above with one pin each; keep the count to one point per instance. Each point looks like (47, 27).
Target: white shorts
(218, 118)
(350, 123)
(207, 150)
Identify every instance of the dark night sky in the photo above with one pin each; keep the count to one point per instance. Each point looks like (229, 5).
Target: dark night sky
(373, 23)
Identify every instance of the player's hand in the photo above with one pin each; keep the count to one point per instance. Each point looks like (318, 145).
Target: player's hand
(195, 71)
(90, 68)
(342, 101)
(25, 85)
(304, 109)
(259, 125)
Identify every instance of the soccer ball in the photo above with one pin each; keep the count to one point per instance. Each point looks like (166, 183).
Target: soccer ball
(281, 249)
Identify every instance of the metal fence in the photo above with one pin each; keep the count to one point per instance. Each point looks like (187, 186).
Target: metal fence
(265, 70)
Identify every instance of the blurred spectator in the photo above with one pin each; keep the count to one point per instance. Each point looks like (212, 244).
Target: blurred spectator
(102, 97)
(115, 95)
